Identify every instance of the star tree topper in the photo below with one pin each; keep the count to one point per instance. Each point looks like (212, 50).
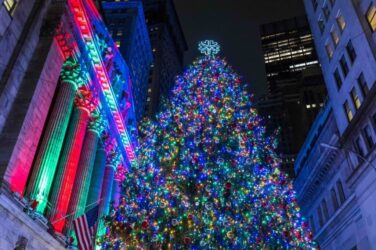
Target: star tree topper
(209, 47)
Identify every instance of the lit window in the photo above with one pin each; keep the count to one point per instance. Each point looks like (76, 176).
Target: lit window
(118, 44)
(308, 106)
(337, 78)
(341, 22)
(368, 135)
(355, 98)
(329, 50)
(344, 66)
(119, 33)
(10, 5)
(314, 105)
(363, 85)
(371, 16)
(348, 111)
(334, 36)
(351, 51)
(334, 199)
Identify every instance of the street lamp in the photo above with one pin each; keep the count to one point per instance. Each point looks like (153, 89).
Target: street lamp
(332, 147)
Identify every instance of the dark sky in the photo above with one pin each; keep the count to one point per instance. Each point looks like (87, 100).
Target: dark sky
(235, 25)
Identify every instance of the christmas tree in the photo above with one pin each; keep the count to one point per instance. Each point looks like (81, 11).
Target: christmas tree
(208, 175)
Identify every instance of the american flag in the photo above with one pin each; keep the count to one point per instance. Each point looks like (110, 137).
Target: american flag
(85, 227)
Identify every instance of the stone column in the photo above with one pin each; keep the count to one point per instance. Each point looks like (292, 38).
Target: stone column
(67, 168)
(97, 176)
(112, 160)
(77, 203)
(46, 160)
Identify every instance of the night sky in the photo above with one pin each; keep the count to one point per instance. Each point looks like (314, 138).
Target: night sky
(235, 25)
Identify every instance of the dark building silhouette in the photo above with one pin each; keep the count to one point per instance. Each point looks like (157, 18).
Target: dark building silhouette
(168, 46)
(296, 89)
(126, 23)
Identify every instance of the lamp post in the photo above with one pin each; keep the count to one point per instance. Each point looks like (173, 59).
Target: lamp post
(332, 147)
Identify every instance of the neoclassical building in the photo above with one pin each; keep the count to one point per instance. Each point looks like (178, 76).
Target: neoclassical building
(67, 119)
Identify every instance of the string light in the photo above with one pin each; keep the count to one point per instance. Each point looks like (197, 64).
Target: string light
(209, 176)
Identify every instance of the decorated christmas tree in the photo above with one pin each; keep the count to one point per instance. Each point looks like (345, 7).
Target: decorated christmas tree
(208, 175)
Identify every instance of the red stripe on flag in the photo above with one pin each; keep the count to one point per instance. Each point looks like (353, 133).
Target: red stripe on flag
(83, 233)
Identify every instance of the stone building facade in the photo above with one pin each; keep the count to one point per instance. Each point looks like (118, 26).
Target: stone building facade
(67, 120)
(336, 173)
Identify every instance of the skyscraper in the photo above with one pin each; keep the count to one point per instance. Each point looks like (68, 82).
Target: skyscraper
(336, 173)
(295, 85)
(126, 23)
(168, 46)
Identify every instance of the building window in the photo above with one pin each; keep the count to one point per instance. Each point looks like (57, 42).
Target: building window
(371, 16)
(341, 193)
(344, 66)
(363, 85)
(355, 98)
(329, 50)
(326, 12)
(334, 199)
(351, 51)
(368, 135)
(321, 24)
(348, 111)
(319, 213)
(325, 209)
(118, 43)
(337, 78)
(341, 21)
(334, 36)
(314, 4)
(10, 5)
(359, 148)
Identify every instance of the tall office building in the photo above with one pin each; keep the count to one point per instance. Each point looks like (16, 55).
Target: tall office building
(126, 23)
(168, 46)
(336, 173)
(295, 84)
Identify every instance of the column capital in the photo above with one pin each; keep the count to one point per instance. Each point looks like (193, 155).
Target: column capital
(97, 124)
(85, 99)
(71, 72)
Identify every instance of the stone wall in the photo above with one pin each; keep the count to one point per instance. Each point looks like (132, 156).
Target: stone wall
(17, 228)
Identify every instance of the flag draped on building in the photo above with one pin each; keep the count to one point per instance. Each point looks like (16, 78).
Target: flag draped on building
(85, 228)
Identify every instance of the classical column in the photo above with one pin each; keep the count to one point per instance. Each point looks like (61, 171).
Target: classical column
(68, 163)
(112, 160)
(77, 203)
(97, 176)
(46, 160)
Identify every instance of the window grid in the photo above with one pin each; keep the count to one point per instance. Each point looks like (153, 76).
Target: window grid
(341, 193)
(341, 22)
(344, 66)
(334, 199)
(10, 5)
(348, 111)
(329, 50)
(363, 85)
(351, 51)
(334, 36)
(355, 98)
(371, 16)
(368, 135)
(337, 78)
